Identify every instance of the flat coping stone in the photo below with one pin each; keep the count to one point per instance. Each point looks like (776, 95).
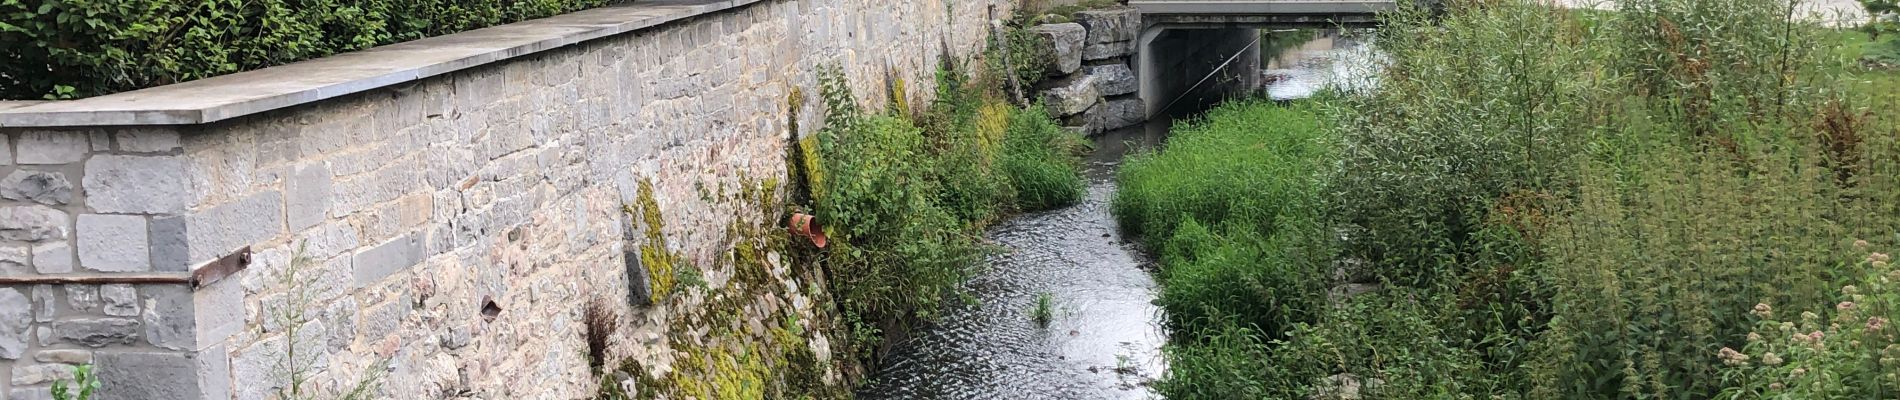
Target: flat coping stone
(235, 95)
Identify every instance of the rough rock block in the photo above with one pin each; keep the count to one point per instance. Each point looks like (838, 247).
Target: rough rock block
(1105, 51)
(1120, 113)
(1112, 25)
(1113, 79)
(1059, 47)
(1071, 96)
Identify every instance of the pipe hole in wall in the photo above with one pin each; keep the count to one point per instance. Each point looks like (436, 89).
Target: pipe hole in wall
(490, 310)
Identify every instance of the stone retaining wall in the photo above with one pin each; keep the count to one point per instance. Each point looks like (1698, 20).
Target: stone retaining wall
(1090, 86)
(455, 225)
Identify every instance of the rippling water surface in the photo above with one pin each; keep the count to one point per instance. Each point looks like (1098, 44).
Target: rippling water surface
(1104, 342)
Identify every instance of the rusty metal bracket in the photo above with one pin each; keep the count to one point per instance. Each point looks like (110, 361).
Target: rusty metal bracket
(221, 268)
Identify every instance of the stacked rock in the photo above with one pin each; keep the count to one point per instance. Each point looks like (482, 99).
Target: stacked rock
(1089, 86)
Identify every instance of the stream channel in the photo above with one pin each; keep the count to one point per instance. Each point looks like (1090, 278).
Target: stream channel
(1104, 340)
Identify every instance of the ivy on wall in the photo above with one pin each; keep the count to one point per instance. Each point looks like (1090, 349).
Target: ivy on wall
(56, 49)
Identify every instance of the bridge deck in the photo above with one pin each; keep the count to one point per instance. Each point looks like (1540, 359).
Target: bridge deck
(1261, 7)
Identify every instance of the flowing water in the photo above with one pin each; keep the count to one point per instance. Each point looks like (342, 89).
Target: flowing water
(1313, 60)
(1105, 338)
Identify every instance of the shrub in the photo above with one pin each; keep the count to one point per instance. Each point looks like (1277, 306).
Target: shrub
(94, 47)
(1845, 351)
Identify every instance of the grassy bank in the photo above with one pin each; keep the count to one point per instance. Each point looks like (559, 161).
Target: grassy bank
(1541, 203)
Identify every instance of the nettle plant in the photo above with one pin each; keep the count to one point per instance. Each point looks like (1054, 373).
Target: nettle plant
(1849, 352)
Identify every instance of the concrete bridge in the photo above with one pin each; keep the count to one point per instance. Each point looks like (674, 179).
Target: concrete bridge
(1209, 47)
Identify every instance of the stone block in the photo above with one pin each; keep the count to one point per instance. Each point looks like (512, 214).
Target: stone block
(52, 147)
(121, 300)
(1110, 50)
(220, 230)
(1111, 25)
(6, 155)
(63, 356)
(33, 224)
(147, 375)
(148, 140)
(1120, 113)
(214, 372)
(1086, 118)
(1113, 79)
(1071, 96)
(31, 393)
(44, 187)
(53, 258)
(1058, 47)
(101, 142)
(171, 248)
(40, 374)
(136, 184)
(639, 289)
(167, 316)
(218, 310)
(16, 316)
(97, 332)
(329, 240)
(308, 194)
(45, 303)
(114, 243)
(83, 298)
(15, 259)
(387, 259)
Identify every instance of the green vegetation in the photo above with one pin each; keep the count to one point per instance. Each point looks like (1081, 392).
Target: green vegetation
(903, 197)
(1550, 204)
(83, 384)
(1044, 311)
(63, 49)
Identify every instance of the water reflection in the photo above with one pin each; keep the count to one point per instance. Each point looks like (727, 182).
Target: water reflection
(1300, 63)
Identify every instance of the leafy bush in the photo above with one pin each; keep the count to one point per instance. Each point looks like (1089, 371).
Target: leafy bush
(1846, 351)
(92, 47)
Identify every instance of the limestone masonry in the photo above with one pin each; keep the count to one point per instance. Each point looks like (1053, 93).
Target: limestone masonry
(455, 224)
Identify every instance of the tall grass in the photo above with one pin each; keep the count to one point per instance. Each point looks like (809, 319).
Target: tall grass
(1559, 204)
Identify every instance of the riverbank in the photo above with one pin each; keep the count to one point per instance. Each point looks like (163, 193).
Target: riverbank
(1536, 203)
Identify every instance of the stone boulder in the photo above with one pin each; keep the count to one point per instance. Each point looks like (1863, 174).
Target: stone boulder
(1111, 33)
(1117, 114)
(1113, 79)
(1104, 51)
(1111, 25)
(1059, 47)
(1071, 96)
(1085, 121)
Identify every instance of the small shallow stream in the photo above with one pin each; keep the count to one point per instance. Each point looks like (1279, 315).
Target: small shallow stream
(1105, 339)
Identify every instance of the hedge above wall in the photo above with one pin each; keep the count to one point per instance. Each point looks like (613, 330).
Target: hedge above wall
(55, 49)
